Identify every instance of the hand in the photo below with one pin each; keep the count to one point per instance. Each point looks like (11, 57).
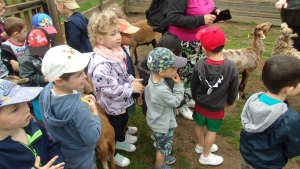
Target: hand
(92, 103)
(137, 86)
(176, 79)
(139, 101)
(49, 164)
(217, 11)
(90, 98)
(281, 4)
(209, 19)
(15, 65)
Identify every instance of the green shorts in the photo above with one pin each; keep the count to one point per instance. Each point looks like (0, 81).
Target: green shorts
(211, 124)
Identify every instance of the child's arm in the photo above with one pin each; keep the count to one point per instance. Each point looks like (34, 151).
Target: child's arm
(26, 70)
(74, 35)
(172, 99)
(292, 143)
(87, 124)
(233, 88)
(195, 81)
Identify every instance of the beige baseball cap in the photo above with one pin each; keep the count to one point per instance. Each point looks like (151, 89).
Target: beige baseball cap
(70, 4)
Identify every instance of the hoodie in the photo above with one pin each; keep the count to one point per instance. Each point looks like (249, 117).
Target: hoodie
(270, 132)
(69, 120)
(77, 33)
(14, 154)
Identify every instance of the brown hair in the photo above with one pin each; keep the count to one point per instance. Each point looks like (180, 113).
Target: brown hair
(13, 24)
(281, 71)
(116, 8)
(99, 23)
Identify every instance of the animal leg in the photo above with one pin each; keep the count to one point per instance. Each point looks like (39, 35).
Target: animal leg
(136, 57)
(111, 152)
(104, 154)
(242, 86)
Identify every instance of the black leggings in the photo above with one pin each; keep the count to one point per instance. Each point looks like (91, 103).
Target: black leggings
(119, 122)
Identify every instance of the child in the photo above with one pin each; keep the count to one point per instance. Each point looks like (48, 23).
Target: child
(41, 20)
(76, 26)
(13, 49)
(171, 42)
(214, 85)
(113, 85)
(270, 132)
(161, 101)
(126, 31)
(66, 115)
(38, 42)
(24, 143)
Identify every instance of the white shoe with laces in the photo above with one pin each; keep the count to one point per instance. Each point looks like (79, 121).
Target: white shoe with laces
(186, 112)
(199, 149)
(211, 159)
(130, 138)
(191, 103)
(131, 130)
(120, 160)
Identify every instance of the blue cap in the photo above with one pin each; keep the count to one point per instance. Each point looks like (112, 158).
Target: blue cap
(41, 20)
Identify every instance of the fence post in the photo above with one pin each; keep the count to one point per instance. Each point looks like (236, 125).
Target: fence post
(59, 38)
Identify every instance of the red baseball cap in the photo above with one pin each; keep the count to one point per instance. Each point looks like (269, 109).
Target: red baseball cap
(211, 38)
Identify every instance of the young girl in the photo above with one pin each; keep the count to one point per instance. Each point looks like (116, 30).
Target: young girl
(113, 85)
(171, 42)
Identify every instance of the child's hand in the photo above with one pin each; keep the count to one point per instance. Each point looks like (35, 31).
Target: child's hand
(139, 101)
(49, 164)
(92, 103)
(15, 65)
(176, 79)
(137, 86)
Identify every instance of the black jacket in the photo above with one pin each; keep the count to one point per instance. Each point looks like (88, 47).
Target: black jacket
(77, 33)
(30, 67)
(205, 76)
(7, 54)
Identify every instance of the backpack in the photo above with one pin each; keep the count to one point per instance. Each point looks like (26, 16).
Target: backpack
(156, 15)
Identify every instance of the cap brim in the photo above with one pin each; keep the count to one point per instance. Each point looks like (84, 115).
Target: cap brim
(39, 50)
(131, 30)
(71, 5)
(180, 62)
(25, 94)
(80, 62)
(50, 30)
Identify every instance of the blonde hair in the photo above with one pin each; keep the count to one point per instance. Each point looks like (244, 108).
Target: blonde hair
(99, 23)
(116, 8)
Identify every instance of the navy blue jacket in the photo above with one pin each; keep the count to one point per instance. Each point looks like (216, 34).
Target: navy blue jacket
(274, 146)
(14, 154)
(77, 33)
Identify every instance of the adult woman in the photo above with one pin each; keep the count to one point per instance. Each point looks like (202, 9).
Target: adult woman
(185, 18)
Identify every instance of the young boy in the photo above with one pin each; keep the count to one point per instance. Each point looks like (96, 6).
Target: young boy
(38, 42)
(76, 26)
(13, 49)
(67, 116)
(126, 30)
(214, 85)
(41, 20)
(270, 134)
(161, 101)
(24, 143)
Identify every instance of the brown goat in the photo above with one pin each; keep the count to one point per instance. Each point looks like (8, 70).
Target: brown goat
(284, 43)
(144, 36)
(247, 59)
(16, 79)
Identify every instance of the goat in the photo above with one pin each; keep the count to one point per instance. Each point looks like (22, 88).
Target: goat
(284, 43)
(17, 79)
(106, 145)
(144, 36)
(247, 59)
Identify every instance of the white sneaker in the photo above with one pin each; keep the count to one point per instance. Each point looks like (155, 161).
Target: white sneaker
(152, 137)
(154, 143)
(186, 112)
(131, 130)
(191, 103)
(199, 149)
(130, 138)
(121, 161)
(125, 146)
(211, 159)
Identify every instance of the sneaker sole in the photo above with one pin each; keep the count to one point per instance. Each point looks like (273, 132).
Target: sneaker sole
(126, 150)
(171, 162)
(209, 164)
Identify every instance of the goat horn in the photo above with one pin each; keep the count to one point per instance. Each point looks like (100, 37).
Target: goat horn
(249, 35)
(263, 36)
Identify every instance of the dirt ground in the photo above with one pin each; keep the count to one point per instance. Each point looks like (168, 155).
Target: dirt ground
(185, 127)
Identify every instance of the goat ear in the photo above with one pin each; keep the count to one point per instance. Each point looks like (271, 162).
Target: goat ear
(250, 34)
